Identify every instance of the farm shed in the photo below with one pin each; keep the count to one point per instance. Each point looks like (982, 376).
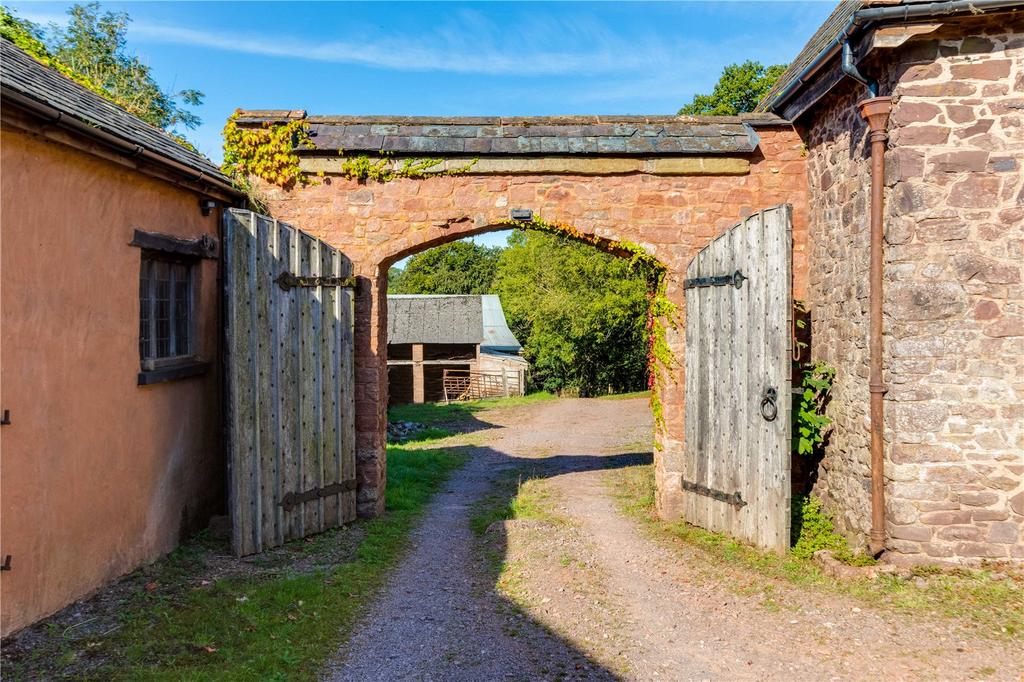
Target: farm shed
(465, 338)
(110, 334)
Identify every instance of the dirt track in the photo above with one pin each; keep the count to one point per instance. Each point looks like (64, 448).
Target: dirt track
(588, 595)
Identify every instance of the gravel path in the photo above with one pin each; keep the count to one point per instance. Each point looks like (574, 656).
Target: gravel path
(593, 597)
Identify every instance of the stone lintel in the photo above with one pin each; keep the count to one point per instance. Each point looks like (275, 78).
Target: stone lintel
(556, 165)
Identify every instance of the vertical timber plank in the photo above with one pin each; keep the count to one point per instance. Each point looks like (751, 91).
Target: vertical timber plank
(740, 406)
(328, 393)
(690, 399)
(241, 441)
(277, 322)
(348, 391)
(307, 387)
(262, 348)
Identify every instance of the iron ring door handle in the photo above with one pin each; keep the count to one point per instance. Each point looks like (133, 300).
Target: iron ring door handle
(769, 404)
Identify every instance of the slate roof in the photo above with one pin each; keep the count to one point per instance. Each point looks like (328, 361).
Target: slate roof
(22, 74)
(415, 318)
(559, 135)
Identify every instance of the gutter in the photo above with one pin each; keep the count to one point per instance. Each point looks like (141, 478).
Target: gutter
(862, 20)
(57, 117)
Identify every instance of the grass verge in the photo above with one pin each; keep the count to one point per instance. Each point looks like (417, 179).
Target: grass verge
(989, 601)
(276, 624)
(625, 396)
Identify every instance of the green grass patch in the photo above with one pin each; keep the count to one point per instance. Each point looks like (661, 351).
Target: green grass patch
(513, 497)
(278, 624)
(988, 600)
(431, 414)
(625, 396)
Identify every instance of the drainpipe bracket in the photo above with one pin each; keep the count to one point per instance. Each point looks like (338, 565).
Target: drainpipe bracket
(878, 388)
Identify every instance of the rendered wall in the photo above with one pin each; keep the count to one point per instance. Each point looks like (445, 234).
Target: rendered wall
(953, 298)
(98, 475)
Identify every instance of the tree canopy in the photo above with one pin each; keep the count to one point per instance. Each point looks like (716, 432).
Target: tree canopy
(580, 314)
(457, 268)
(92, 50)
(738, 90)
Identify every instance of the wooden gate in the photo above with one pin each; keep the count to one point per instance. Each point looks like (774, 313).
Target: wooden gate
(290, 399)
(736, 462)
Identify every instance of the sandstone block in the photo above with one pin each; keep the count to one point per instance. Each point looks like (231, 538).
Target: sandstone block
(1003, 531)
(946, 518)
(1010, 325)
(990, 70)
(972, 266)
(975, 192)
(978, 499)
(966, 161)
(918, 417)
(980, 549)
(913, 532)
(964, 532)
(1017, 503)
(921, 135)
(926, 300)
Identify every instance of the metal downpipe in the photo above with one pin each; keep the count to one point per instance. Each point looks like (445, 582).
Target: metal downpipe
(876, 112)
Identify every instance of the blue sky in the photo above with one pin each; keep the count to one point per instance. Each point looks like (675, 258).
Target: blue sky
(450, 58)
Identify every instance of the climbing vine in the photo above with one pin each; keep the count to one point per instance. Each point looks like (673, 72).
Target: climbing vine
(267, 152)
(383, 169)
(660, 357)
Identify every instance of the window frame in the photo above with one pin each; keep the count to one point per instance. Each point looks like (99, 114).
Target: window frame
(151, 362)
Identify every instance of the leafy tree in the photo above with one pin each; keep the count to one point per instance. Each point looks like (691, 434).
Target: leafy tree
(457, 268)
(92, 50)
(738, 90)
(579, 313)
(94, 45)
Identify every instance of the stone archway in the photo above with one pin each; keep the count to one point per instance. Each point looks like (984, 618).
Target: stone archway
(668, 184)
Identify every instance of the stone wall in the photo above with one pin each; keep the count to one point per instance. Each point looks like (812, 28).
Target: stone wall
(378, 223)
(954, 303)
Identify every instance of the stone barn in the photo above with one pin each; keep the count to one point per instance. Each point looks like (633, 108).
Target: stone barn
(451, 347)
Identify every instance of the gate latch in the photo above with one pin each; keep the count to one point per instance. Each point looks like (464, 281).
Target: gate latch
(735, 279)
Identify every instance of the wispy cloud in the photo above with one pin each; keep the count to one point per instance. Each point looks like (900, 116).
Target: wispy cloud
(468, 43)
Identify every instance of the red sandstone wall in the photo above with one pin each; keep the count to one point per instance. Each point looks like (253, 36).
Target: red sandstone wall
(376, 224)
(99, 475)
(954, 303)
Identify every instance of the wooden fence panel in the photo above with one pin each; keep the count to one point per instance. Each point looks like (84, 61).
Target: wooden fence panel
(290, 382)
(736, 460)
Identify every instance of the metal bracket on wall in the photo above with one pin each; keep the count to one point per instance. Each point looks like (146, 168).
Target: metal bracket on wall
(733, 499)
(735, 279)
(6, 419)
(287, 280)
(6, 565)
(292, 500)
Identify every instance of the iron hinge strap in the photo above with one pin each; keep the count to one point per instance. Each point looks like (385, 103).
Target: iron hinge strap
(735, 279)
(734, 499)
(292, 500)
(287, 280)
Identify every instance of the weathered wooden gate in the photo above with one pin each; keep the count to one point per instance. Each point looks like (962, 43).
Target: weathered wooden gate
(736, 461)
(290, 398)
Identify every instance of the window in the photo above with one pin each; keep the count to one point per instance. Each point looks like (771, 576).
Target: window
(167, 310)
